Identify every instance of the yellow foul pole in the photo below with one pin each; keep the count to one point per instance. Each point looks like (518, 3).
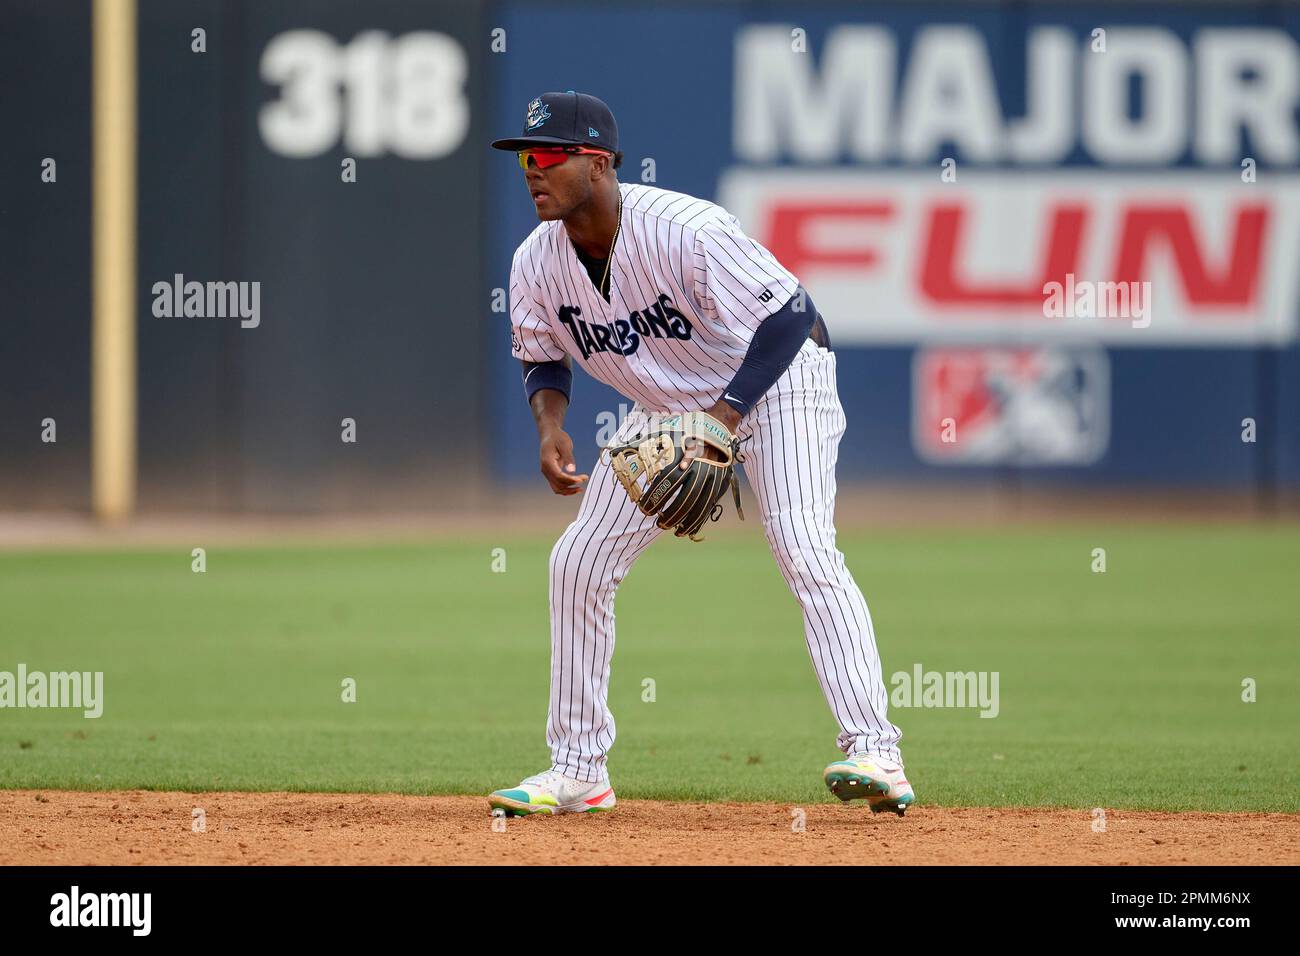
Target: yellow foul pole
(113, 358)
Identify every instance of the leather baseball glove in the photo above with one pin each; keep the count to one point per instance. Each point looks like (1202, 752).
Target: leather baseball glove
(649, 468)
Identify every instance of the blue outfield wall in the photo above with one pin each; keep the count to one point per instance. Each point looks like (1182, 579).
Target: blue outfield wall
(1120, 406)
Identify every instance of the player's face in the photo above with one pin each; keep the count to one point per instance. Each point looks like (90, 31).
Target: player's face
(558, 190)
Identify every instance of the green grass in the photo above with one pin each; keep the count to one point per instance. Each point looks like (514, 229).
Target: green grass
(1120, 689)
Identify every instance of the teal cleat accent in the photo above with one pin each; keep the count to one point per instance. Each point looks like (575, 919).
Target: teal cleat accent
(878, 780)
(550, 793)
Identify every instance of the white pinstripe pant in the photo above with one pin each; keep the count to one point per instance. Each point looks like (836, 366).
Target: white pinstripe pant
(791, 443)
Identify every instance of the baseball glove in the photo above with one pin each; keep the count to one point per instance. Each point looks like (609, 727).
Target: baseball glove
(649, 469)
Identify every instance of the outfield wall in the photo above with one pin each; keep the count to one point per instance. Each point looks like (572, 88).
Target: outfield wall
(825, 129)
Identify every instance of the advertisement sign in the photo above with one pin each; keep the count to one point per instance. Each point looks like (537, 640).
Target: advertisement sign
(1133, 259)
(1134, 174)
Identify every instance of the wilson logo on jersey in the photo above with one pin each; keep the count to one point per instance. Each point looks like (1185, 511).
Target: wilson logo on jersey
(658, 320)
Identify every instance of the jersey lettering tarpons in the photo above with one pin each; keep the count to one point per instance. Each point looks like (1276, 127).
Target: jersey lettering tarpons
(659, 320)
(687, 288)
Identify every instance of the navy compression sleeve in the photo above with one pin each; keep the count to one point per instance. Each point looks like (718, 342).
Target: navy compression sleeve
(775, 344)
(540, 375)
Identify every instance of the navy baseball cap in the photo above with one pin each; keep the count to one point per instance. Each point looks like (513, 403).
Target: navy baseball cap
(565, 119)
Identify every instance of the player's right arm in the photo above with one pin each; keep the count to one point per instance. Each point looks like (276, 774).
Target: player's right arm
(548, 375)
(555, 447)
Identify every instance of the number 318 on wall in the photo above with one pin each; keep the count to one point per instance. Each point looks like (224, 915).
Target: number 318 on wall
(404, 95)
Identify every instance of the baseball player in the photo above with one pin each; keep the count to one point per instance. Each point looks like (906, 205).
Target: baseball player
(662, 296)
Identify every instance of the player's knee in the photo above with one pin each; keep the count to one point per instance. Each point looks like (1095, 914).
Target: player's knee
(806, 554)
(562, 551)
(789, 530)
(577, 549)
(809, 569)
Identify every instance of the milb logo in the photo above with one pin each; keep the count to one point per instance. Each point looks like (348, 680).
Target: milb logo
(658, 320)
(1010, 406)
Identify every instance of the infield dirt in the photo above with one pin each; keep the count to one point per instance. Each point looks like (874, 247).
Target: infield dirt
(145, 827)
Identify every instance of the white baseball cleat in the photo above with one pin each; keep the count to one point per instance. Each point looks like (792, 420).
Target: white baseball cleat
(878, 780)
(553, 792)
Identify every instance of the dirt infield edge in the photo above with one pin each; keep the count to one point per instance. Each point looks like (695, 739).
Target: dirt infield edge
(49, 827)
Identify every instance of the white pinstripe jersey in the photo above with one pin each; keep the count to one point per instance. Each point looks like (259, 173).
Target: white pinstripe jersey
(687, 291)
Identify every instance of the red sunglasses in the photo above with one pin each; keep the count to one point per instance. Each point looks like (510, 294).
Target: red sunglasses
(548, 156)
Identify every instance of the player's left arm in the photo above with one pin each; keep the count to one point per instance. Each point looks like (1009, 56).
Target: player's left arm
(774, 345)
(738, 277)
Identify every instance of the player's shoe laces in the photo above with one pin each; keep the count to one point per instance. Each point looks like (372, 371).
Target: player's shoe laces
(553, 792)
(878, 780)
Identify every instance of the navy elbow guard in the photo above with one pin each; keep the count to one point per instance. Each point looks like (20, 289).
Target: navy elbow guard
(540, 375)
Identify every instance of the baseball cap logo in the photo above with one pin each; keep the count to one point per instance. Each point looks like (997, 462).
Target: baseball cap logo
(591, 132)
(537, 114)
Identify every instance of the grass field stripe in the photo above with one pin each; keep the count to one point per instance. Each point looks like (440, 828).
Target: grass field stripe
(247, 628)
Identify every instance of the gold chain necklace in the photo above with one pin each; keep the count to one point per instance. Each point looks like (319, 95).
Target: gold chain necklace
(609, 261)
